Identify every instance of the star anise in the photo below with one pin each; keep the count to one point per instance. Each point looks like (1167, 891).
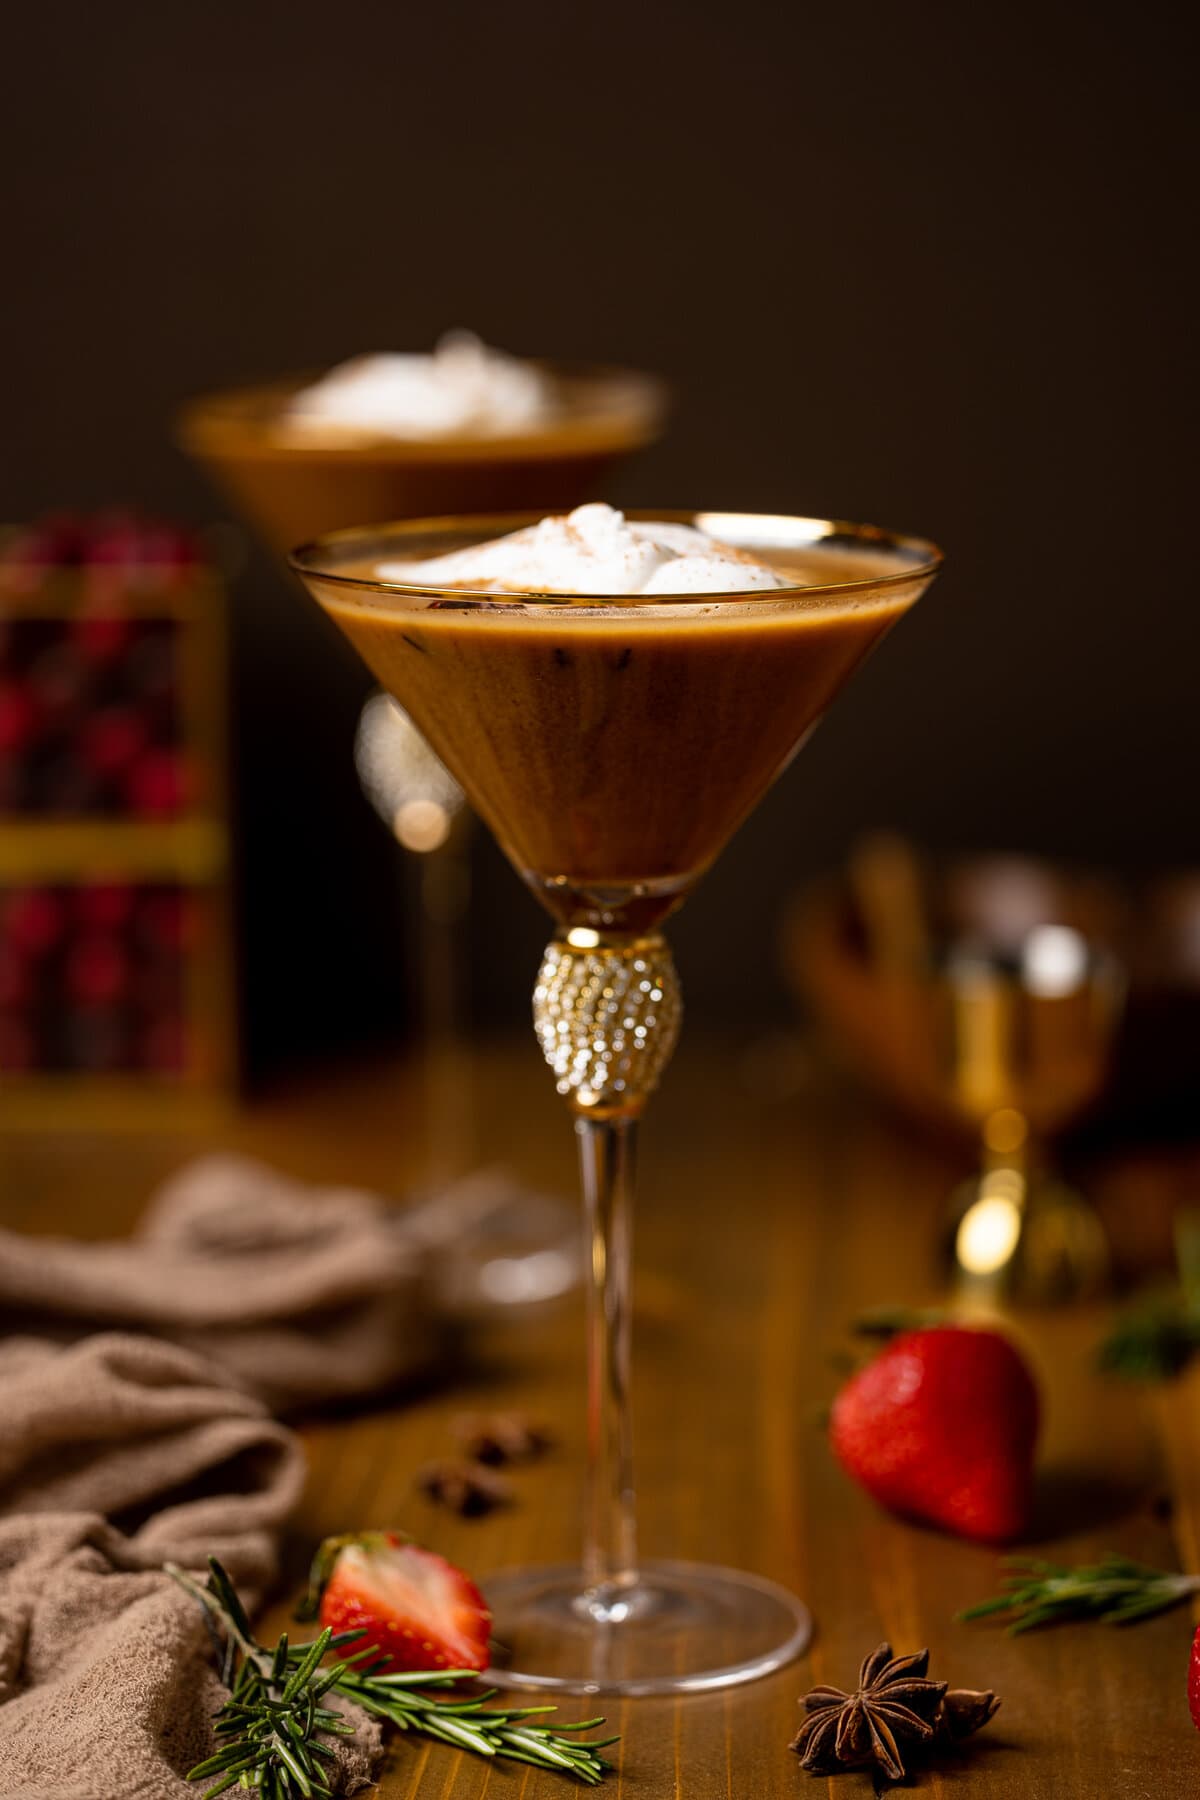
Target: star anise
(964, 1711)
(891, 1710)
(894, 1711)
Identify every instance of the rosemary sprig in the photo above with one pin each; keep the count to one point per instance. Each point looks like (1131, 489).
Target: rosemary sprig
(1159, 1337)
(1114, 1589)
(274, 1719)
(1154, 1341)
(469, 1725)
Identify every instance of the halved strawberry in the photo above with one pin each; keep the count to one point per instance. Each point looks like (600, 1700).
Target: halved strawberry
(1194, 1680)
(414, 1608)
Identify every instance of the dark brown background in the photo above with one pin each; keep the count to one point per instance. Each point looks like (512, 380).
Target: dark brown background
(922, 264)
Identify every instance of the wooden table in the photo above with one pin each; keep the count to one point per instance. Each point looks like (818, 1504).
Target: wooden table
(765, 1225)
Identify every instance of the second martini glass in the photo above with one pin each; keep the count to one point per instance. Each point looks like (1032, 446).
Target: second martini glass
(613, 746)
(294, 481)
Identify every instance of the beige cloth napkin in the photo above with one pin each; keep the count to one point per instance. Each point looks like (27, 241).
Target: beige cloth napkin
(135, 1389)
(118, 1453)
(302, 1295)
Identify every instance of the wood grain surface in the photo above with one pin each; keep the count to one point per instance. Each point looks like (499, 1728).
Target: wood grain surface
(764, 1225)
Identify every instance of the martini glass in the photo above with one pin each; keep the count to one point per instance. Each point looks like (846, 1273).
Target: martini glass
(294, 483)
(613, 746)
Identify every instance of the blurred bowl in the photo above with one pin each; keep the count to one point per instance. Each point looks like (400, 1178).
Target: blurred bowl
(297, 485)
(890, 1007)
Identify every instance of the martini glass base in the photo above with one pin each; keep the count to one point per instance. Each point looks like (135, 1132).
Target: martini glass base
(684, 1628)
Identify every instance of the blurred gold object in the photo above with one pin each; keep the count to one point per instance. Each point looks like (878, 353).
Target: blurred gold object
(885, 880)
(410, 788)
(426, 810)
(1029, 1038)
(981, 1000)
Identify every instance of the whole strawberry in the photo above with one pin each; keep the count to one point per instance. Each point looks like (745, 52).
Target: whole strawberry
(414, 1608)
(942, 1427)
(1194, 1680)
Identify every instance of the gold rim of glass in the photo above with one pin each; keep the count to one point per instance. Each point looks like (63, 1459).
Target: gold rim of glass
(763, 532)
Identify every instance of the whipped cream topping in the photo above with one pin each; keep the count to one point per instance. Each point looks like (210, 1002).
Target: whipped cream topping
(594, 550)
(462, 388)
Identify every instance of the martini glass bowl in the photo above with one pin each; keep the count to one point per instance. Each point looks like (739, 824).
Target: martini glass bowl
(613, 744)
(295, 483)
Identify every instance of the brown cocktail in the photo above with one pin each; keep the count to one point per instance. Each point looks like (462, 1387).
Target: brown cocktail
(561, 716)
(295, 474)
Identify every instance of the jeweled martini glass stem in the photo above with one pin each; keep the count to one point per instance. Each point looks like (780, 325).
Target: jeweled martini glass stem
(606, 1009)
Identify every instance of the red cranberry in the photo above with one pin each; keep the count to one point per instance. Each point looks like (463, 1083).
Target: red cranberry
(19, 718)
(111, 739)
(104, 906)
(115, 537)
(157, 784)
(102, 637)
(34, 919)
(97, 970)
